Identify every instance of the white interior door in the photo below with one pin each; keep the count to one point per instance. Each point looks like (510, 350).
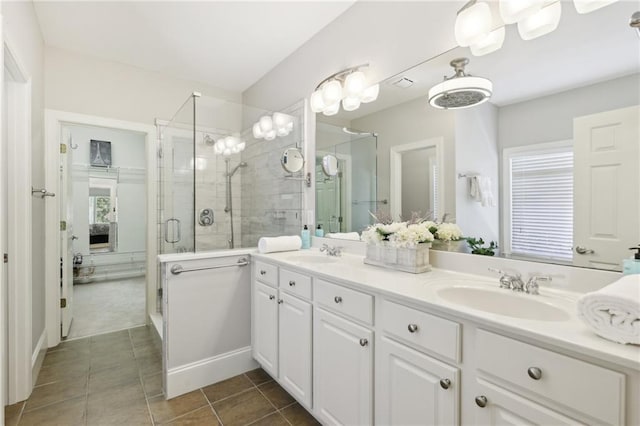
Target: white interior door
(606, 187)
(66, 232)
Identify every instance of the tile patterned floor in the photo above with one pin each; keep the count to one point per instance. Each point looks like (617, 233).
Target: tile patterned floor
(115, 379)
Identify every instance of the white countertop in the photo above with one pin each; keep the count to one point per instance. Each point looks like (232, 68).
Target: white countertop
(421, 289)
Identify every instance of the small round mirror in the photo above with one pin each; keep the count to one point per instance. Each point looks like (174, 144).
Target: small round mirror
(330, 165)
(292, 160)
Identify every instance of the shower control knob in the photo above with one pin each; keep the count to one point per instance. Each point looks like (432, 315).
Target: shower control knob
(206, 217)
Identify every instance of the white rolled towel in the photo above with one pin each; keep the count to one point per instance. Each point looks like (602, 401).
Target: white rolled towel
(614, 311)
(344, 236)
(275, 244)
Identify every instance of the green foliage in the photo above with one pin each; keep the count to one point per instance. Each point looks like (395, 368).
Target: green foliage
(477, 246)
(103, 207)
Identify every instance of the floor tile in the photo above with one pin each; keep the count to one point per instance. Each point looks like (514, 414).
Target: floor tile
(56, 392)
(123, 405)
(258, 376)
(227, 388)
(123, 374)
(274, 419)
(201, 417)
(12, 413)
(72, 344)
(152, 385)
(67, 413)
(243, 408)
(298, 416)
(150, 365)
(99, 348)
(146, 349)
(111, 337)
(163, 410)
(276, 395)
(109, 359)
(65, 356)
(63, 371)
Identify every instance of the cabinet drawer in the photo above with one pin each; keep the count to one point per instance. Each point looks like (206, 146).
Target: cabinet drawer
(586, 388)
(344, 300)
(266, 273)
(427, 331)
(296, 283)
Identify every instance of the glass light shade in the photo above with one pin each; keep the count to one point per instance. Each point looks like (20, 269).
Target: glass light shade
(332, 109)
(354, 84)
(479, 85)
(370, 94)
(331, 92)
(257, 132)
(219, 147)
(316, 102)
(229, 142)
(282, 131)
(540, 23)
(492, 42)
(513, 11)
(270, 135)
(281, 120)
(586, 6)
(472, 24)
(290, 125)
(350, 104)
(242, 145)
(226, 151)
(266, 124)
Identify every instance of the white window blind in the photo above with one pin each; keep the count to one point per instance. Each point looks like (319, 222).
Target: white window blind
(542, 204)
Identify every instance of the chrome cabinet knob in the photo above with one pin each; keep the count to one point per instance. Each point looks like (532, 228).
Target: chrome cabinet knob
(292, 283)
(481, 401)
(364, 342)
(337, 299)
(280, 301)
(271, 297)
(445, 383)
(412, 328)
(584, 250)
(263, 272)
(535, 373)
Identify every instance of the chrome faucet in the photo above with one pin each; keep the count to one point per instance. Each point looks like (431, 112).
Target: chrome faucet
(532, 283)
(331, 251)
(510, 280)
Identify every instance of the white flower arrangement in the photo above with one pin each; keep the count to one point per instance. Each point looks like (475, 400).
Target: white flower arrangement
(448, 232)
(398, 234)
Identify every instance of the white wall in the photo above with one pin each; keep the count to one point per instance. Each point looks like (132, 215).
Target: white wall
(22, 32)
(128, 152)
(86, 85)
(476, 134)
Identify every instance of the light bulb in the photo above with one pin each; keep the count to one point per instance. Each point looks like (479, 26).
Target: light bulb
(354, 84)
(370, 94)
(257, 132)
(266, 124)
(472, 24)
(332, 109)
(280, 120)
(350, 104)
(331, 92)
(586, 6)
(270, 135)
(229, 142)
(513, 11)
(316, 102)
(540, 23)
(282, 131)
(492, 42)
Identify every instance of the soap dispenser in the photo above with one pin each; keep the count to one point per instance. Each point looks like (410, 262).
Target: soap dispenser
(305, 235)
(319, 231)
(632, 265)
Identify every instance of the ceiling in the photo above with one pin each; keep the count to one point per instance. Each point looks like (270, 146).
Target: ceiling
(225, 44)
(583, 50)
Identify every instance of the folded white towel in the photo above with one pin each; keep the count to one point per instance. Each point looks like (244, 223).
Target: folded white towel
(614, 311)
(344, 236)
(274, 244)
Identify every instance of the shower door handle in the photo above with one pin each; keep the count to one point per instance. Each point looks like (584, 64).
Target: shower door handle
(177, 234)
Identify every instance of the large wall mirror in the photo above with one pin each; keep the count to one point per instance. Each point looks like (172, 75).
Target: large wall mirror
(556, 149)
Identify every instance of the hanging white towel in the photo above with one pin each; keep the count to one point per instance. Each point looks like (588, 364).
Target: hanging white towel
(474, 188)
(480, 190)
(614, 311)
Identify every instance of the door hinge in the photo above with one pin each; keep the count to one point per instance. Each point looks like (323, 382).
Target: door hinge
(63, 302)
(160, 293)
(5, 258)
(63, 148)
(63, 225)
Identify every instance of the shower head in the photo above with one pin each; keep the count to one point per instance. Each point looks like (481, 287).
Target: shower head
(235, 169)
(461, 90)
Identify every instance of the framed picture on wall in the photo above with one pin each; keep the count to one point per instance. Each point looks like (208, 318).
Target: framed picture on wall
(100, 153)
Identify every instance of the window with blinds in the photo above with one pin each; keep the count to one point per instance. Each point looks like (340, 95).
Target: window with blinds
(542, 204)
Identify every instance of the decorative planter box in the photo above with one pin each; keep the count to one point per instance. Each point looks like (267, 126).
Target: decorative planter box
(459, 246)
(414, 260)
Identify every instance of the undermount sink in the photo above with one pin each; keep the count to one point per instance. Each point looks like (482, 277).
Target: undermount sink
(312, 258)
(503, 302)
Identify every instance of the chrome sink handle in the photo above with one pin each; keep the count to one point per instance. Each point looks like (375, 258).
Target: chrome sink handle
(331, 251)
(509, 279)
(532, 285)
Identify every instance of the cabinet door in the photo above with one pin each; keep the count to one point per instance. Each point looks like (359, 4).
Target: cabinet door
(265, 327)
(409, 389)
(504, 407)
(343, 374)
(295, 347)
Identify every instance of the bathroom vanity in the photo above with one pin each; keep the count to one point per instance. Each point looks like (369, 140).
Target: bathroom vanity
(357, 344)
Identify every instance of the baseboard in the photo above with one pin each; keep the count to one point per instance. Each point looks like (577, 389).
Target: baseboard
(187, 378)
(38, 356)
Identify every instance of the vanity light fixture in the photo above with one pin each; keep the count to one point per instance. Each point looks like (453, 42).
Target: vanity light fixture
(461, 90)
(268, 127)
(229, 145)
(348, 86)
(586, 6)
(540, 23)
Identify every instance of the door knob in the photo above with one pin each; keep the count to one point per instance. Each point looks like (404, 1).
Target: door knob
(337, 299)
(280, 301)
(263, 272)
(445, 383)
(292, 283)
(412, 328)
(481, 401)
(271, 297)
(364, 342)
(584, 250)
(535, 373)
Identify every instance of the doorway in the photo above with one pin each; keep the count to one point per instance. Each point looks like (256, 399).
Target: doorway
(102, 205)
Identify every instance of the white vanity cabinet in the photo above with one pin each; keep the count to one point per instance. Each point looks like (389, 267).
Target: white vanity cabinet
(265, 327)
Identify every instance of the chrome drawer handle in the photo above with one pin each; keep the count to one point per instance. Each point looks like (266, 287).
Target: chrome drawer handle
(292, 283)
(481, 401)
(271, 297)
(263, 272)
(535, 373)
(364, 342)
(412, 328)
(445, 383)
(337, 299)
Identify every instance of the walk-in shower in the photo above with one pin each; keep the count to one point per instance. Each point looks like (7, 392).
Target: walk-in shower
(229, 207)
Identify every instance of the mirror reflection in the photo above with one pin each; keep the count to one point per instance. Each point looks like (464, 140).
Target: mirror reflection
(102, 214)
(547, 168)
